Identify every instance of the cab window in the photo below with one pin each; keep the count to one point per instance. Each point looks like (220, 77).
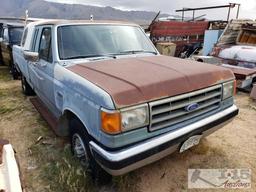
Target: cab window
(15, 34)
(45, 48)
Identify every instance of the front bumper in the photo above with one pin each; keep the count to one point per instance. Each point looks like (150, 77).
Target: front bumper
(130, 158)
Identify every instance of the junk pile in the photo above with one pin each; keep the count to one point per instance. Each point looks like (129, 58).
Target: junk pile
(236, 49)
(187, 33)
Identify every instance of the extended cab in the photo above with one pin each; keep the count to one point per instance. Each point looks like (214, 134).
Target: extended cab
(122, 104)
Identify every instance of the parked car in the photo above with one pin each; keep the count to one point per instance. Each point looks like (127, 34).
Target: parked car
(12, 33)
(122, 104)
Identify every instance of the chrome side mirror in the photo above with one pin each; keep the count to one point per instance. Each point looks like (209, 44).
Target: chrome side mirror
(31, 56)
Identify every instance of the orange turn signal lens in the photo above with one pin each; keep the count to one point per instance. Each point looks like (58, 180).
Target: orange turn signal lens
(111, 122)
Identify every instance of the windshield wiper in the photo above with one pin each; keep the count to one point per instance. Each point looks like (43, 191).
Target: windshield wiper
(137, 51)
(109, 55)
(89, 56)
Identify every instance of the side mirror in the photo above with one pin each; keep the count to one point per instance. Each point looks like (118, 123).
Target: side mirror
(31, 56)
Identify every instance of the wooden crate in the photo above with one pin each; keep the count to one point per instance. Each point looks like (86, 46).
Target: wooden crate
(166, 48)
(246, 37)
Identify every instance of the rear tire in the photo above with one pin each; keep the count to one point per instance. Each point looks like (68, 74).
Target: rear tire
(26, 89)
(14, 72)
(79, 140)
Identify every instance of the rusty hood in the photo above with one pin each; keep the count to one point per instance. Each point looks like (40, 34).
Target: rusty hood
(136, 80)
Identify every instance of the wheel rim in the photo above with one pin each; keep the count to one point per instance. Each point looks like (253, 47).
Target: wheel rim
(79, 148)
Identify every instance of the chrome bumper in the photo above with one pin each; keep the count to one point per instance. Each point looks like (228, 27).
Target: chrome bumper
(128, 159)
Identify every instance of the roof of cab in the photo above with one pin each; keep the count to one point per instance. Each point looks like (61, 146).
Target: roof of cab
(14, 24)
(70, 22)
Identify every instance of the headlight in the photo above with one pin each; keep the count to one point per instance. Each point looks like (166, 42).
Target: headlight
(134, 117)
(114, 122)
(228, 89)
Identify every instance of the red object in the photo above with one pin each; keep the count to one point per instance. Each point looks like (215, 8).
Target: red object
(46, 114)
(177, 28)
(179, 32)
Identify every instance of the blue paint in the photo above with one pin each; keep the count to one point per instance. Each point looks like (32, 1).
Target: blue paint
(210, 38)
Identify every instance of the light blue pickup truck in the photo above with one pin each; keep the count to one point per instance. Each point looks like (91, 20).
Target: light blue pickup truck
(122, 103)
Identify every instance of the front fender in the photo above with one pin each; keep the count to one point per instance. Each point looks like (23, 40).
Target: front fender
(87, 112)
(81, 97)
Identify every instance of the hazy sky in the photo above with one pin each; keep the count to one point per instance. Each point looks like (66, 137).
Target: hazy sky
(248, 7)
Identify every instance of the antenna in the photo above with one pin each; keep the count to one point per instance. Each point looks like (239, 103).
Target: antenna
(26, 17)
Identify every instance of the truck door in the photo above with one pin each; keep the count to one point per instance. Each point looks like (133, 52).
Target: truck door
(5, 46)
(44, 69)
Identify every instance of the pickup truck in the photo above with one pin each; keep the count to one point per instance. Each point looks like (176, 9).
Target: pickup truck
(11, 35)
(122, 104)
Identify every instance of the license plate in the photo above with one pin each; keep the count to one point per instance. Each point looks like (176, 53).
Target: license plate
(192, 141)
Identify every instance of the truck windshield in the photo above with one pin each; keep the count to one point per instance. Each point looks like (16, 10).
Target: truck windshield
(84, 41)
(15, 35)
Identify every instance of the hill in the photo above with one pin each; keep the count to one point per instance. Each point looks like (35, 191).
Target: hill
(45, 9)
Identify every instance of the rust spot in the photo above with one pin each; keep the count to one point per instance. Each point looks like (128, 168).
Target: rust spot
(45, 113)
(241, 71)
(132, 81)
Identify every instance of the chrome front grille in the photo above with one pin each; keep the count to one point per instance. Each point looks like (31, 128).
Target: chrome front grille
(171, 111)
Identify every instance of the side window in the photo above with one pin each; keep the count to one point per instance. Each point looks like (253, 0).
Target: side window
(24, 37)
(45, 48)
(6, 36)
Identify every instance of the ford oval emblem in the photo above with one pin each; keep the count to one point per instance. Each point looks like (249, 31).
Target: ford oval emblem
(192, 107)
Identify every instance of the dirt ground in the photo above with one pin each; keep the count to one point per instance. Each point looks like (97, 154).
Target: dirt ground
(47, 164)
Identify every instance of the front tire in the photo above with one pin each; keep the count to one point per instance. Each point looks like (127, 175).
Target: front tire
(79, 139)
(26, 89)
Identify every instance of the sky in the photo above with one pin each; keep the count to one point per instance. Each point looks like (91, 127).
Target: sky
(248, 7)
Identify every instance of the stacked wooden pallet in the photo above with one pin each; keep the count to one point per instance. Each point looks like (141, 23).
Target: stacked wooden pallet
(233, 30)
(247, 35)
